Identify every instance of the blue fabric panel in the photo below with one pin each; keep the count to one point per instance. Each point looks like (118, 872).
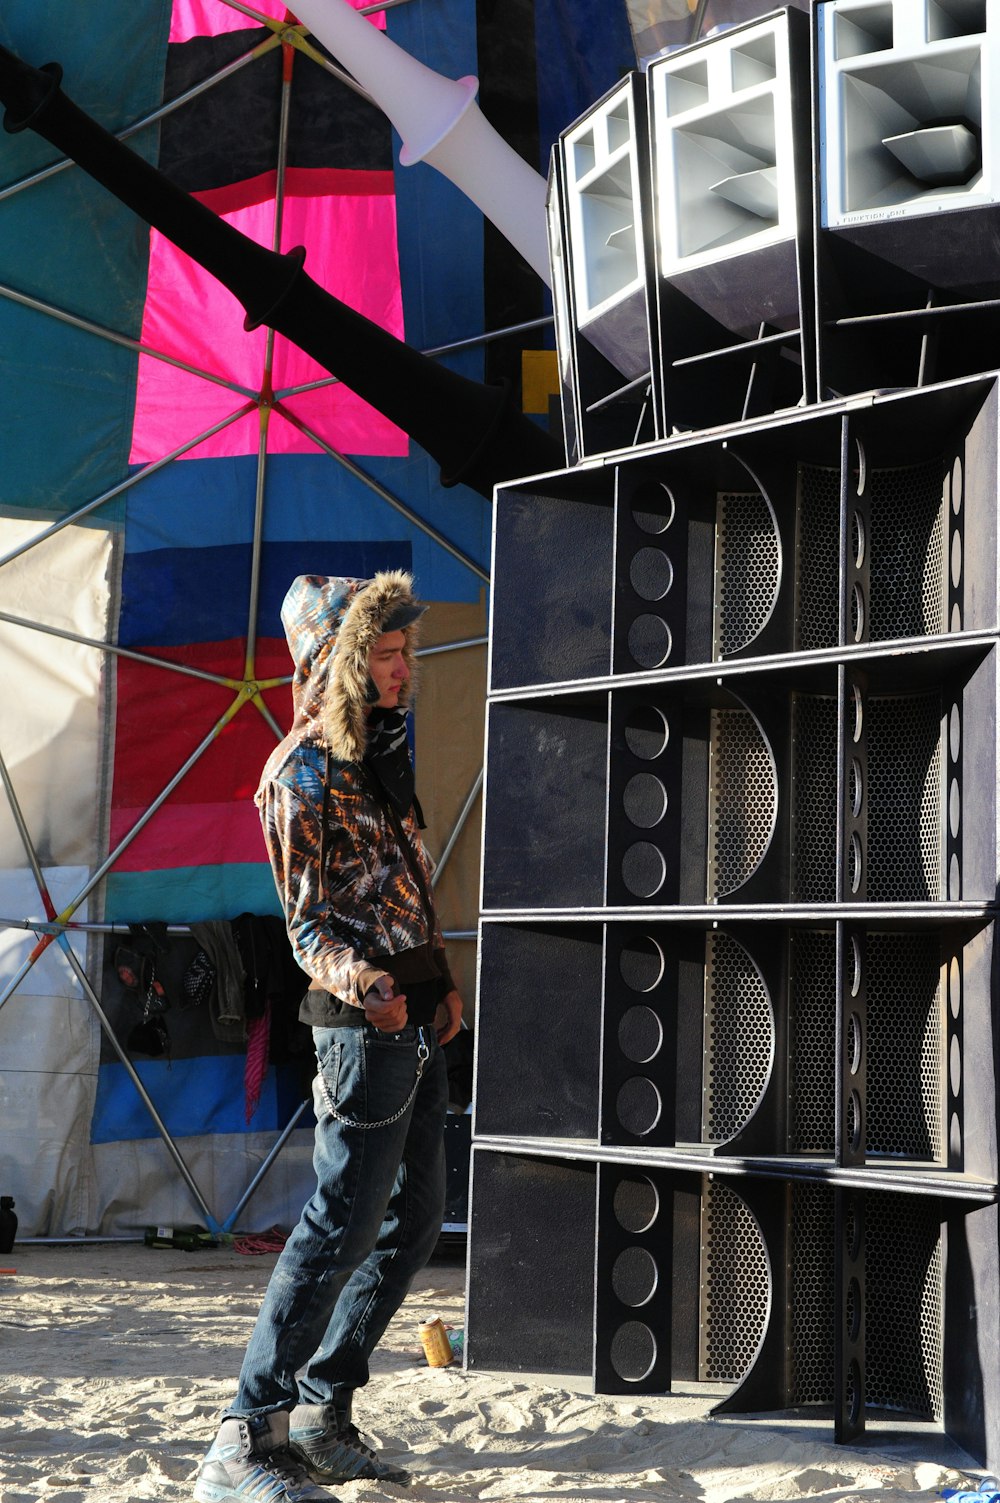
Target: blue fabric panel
(441, 254)
(193, 1097)
(67, 392)
(172, 596)
(582, 47)
(211, 502)
(187, 893)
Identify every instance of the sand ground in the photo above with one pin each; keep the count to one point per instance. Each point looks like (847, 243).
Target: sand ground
(115, 1360)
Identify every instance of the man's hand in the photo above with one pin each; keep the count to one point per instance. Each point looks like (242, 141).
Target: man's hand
(384, 1007)
(447, 1026)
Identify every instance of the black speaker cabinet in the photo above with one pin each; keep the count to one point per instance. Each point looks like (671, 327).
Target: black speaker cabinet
(909, 191)
(736, 1045)
(730, 127)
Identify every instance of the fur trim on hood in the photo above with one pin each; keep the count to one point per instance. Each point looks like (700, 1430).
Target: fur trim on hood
(331, 626)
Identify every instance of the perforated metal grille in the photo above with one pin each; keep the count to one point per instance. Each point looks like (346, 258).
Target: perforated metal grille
(812, 1296)
(904, 1308)
(814, 800)
(906, 1030)
(812, 958)
(746, 571)
(907, 588)
(739, 1038)
(735, 1281)
(742, 800)
(817, 574)
(905, 822)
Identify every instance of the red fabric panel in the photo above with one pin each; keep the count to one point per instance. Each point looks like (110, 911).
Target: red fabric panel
(162, 717)
(300, 182)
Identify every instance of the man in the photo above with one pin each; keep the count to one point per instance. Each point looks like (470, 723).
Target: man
(340, 820)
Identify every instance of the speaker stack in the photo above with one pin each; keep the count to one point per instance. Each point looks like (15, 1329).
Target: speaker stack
(736, 1107)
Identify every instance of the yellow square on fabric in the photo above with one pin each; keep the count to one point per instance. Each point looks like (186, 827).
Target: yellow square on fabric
(539, 379)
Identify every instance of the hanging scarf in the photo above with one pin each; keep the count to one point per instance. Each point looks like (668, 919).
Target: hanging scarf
(388, 757)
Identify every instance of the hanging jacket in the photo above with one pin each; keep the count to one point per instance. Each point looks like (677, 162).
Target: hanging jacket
(353, 908)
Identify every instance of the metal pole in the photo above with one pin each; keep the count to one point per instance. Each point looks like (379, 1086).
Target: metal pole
(36, 871)
(286, 1133)
(121, 652)
(470, 799)
(473, 342)
(427, 652)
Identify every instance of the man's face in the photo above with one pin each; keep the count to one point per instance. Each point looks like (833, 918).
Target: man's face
(387, 668)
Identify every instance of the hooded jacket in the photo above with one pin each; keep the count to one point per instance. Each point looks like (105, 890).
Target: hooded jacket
(353, 906)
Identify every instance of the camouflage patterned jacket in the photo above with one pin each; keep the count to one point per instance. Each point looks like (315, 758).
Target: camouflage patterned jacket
(352, 906)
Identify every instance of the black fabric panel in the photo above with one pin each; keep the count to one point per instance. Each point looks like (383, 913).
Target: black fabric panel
(230, 132)
(512, 292)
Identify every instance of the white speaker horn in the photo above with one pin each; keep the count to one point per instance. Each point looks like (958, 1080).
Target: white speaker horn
(440, 123)
(723, 147)
(910, 120)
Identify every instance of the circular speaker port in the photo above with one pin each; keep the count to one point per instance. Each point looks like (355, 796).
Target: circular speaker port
(635, 1204)
(644, 870)
(640, 964)
(633, 1276)
(640, 1035)
(644, 800)
(653, 506)
(633, 1351)
(649, 641)
(638, 1106)
(646, 732)
(651, 574)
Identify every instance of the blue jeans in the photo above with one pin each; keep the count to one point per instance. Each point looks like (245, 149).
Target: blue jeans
(370, 1226)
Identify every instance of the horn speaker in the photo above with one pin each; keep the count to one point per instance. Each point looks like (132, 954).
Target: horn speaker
(732, 212)
(909, 192)
(599, 215)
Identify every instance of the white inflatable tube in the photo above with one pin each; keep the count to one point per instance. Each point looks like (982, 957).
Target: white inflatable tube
(439, 122)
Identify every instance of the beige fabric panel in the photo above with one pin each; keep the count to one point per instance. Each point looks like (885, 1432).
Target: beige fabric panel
(50, 1050)
(50, 709)
(450, 723)
(136, 1184)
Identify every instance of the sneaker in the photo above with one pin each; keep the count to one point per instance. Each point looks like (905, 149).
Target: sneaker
(250, 1462)
(332, 1452)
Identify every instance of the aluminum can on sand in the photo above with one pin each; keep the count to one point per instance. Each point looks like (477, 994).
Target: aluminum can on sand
(434, 1340)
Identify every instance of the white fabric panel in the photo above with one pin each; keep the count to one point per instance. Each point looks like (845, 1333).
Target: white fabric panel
(136, 1183)
(49, 1056)
(50, 708)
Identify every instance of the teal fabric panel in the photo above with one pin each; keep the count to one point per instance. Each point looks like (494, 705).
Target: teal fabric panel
(65, 241)
(188, 894)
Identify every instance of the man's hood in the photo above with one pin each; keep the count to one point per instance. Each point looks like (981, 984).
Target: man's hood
(331, 626)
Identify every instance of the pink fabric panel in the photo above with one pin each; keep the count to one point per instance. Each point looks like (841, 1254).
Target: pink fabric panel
(210, 18)
(351, 251)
